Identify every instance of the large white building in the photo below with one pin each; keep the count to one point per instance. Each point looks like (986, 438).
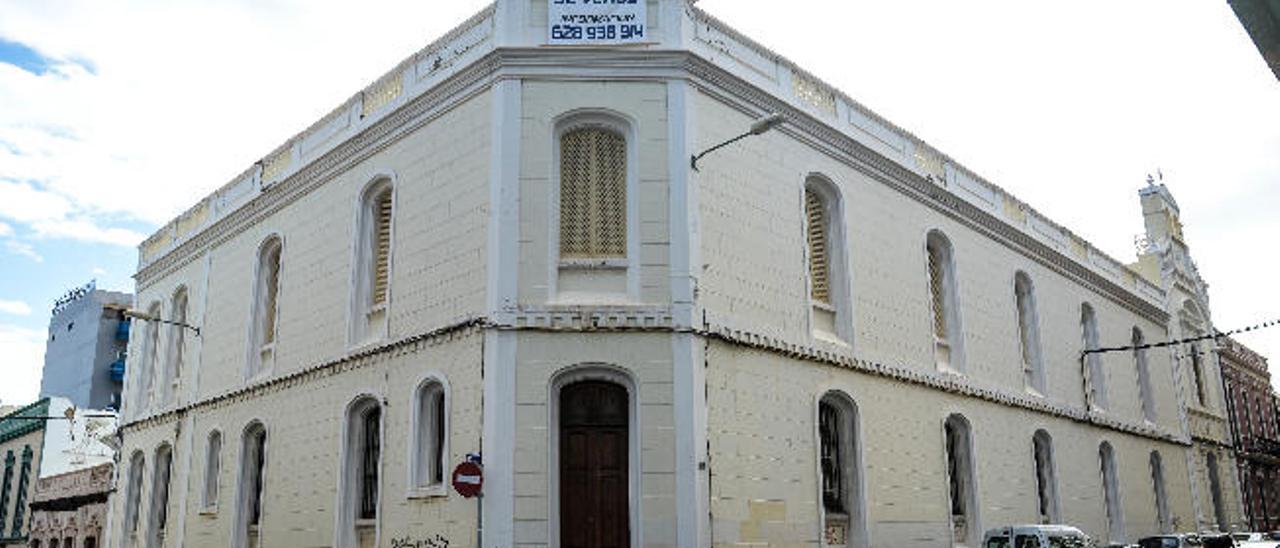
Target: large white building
(827, 334)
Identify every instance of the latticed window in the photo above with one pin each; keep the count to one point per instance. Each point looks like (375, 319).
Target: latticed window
(381, 248)
(430, 436)
(942, 301)
(816, 230)
(20, 502)
(832, 468)
(1028, 336)
(369, 454)
(9, 461)
(270, 287)
(257, 460)
(593, 194)
(1095, 377)
(1144, 375)
(938, 294)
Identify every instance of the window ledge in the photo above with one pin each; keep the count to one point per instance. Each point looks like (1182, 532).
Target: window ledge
(210, 511)
(595, 264)
(435, 491)
(1033, 391)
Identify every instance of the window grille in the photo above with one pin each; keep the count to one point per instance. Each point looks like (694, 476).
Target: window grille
(1144, 376)
(1198, 371)
(954, 470)
(133, 493)
(1044, 476)
(1026, 325)
(832, 467)
(816, 229)
(259, 446)
(160, 498)
(593, 194)
(437, 466)
(20, 502)
(1095, 377)
(4, 491)
(369, 464)
(937, 293)
(271, 290)
(381, 247)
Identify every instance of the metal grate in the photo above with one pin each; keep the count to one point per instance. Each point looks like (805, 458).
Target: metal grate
(271, 289)
(937, 292)
(819, 261)
(369, 464)
(832, 467)
(593, 194)
(381, 247)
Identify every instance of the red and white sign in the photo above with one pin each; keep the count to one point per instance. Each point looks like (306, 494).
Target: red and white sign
(468, 478)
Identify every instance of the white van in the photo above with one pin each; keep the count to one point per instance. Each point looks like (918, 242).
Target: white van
(1037, 536)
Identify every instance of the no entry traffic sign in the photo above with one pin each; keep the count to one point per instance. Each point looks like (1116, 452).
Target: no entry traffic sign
(468, 478)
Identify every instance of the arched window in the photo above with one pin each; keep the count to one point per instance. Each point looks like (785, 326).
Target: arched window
(825, 257)
(266, 307)
(1111, 493)
(1095, 376)
(177, 343)
(842, 506)
(1197, 370)
(212, 469)
(1046, 477)
(960, 485)
(1029, 333)
(159, 519)
(20, 501)
(133, 498)
(430, 437)
(9, 462)
(1144, 375)
(943, 303)
(373, 262)
(1193, 327)
(361, 470)
(593, 193)
(249, 496)
(1162, 499)
(1215, 491)
(150, 357)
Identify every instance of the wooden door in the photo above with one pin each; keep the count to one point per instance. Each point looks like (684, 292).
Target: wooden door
(594, 494)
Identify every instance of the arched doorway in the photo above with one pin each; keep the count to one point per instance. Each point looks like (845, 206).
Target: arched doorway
(594, 473)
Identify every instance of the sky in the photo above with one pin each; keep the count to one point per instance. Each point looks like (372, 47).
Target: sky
(117, 116)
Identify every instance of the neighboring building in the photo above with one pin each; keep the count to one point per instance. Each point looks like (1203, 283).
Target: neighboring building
(1261, 19)
(1166, 259)
(84, 354)
(830, 333)
(1255, 433)
(70, 510)
(37, 441)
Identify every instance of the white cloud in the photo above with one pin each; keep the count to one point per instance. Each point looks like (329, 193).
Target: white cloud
(86, 231)
(24, 249)
(98, 271)
(23, 350)
(5, 230)
(17, 308)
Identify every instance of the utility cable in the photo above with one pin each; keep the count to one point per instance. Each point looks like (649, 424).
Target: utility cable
(1216, 335)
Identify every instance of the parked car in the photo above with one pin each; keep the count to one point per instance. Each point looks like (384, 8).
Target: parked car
(1037, 536)
(1217, 540)
(1181, 540)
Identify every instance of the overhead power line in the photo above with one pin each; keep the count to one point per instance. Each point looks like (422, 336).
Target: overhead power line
(1216, 335)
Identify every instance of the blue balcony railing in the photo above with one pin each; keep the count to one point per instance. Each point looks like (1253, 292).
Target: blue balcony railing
(122, 330)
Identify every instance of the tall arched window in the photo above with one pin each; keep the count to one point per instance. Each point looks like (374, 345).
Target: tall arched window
(373, 262)
(1111, 493)
(430, 438)
(9, 462)
(133, 498)
(361, 470)
(1095, 376)
(249, 496)
(1197, 370)
(1144, 375)
(1029, 333)
(961, 489)
(1162, 499)
(177, 344)
(944, 304)
(843, 515)
(212, 469)
(825, 257)
(593, 193)
(266, 307)
(150, 357)
(1046, 477)
(1215, 491)
(159, 519)
(20, 500)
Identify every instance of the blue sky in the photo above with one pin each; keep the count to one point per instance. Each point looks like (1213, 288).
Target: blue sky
(116, 116)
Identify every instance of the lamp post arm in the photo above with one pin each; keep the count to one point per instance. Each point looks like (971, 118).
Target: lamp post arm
(149, 318)
(694, 161)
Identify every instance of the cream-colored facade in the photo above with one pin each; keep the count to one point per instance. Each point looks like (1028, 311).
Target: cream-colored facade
(310, 391)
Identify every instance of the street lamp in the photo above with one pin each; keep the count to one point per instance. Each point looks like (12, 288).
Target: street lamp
(140, 315)
(761, 125)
